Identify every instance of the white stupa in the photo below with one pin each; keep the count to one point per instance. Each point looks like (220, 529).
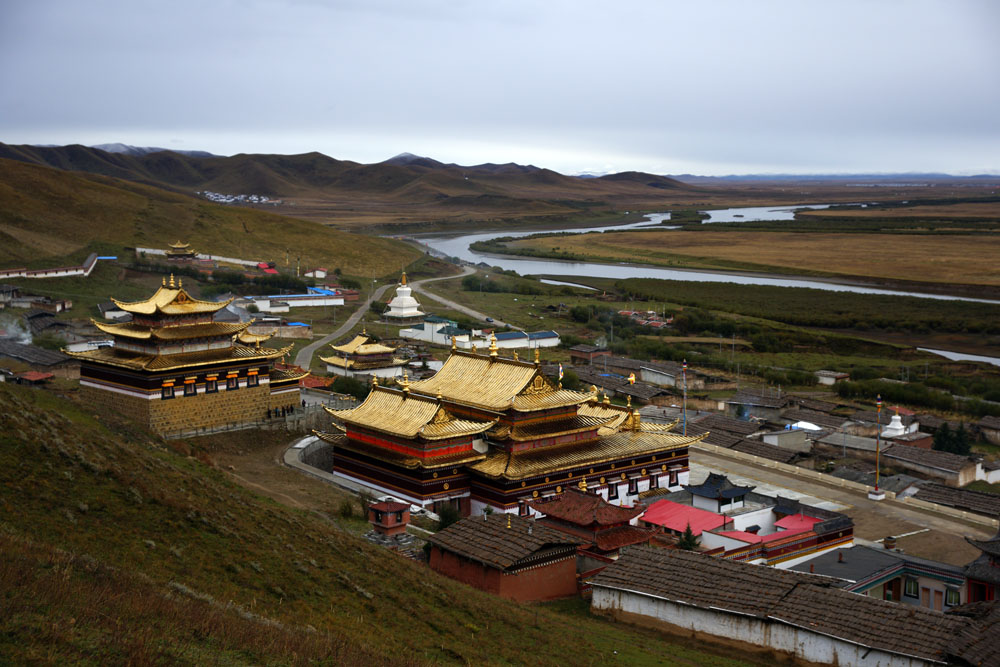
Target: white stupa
(895, 427)
(404, 309)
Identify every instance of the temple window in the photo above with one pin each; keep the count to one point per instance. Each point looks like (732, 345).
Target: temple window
(952, 597)
(232, 383)
(252, 380)
(167, 392)
(633, 486)
(190, 389)
(211, 386)
(612, 491)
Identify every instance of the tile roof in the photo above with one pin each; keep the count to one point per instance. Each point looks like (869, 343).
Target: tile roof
(764, 450)
(363, 344)
(677, 517)
(204, 330)
(855, 564)
(763, 400)
(978, 643)
(408, 415)
(31, 354)
(717, 422)
(989, 422)
(801, 600)
(990, 546)
(623, 536)
(973, 501)
(927, 457)
(814, 417)
(722, 439)
(717, 486)
(488, 540)
(124, 359)
(585, 509)
(493, 383)
(171, 301)
(543, 460)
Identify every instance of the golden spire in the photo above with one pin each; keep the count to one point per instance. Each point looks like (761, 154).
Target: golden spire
(164, 283)
(508, 519)
(439, 397)
(405, 384)
(493, 345)
(171, 280)
(364, 330)
(538, 358)
(374, 380)
(628, 401)
(403, 279)
(607, 401)
(583, 484)
(473, 348)
(454, 343)
(180, 283)
(515, 356)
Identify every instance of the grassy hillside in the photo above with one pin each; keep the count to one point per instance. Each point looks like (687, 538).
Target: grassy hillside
(48, 213)
(116, 547)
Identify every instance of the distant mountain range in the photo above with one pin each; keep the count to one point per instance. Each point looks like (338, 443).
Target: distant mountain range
(143, 150)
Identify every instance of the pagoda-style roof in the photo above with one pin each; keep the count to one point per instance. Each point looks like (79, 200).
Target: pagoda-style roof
(717, 486)
(361, 364)
(282, 372)
(585, 509)
(517, 465)
(248, 338)
(496, 383)
(166, 362)
(400, 413)
(990, 546)
(204, 330)
(548, 429)
(180, 245)
(399, 459)
(362, 344)
(171, 300)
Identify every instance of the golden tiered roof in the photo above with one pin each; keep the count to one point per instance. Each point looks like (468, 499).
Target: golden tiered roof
(171, 299)
(361, 365)
(282, 372)
(517, 465)
(166, 362)
(362, 344)
(407, 415)
(620, 417)
(248, 338)
(496, 384)
(204, 330)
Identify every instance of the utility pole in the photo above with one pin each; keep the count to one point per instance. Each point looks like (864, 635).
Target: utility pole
(684, 374)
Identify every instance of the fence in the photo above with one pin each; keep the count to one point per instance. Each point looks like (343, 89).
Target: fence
(830, 480)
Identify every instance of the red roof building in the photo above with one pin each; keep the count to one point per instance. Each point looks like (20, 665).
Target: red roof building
(675, 518)
(389, 518)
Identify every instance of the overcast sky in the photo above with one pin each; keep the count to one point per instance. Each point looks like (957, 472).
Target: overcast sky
(708, 87)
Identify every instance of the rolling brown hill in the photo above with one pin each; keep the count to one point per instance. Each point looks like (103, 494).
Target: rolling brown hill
(400, 189)
(48, 213)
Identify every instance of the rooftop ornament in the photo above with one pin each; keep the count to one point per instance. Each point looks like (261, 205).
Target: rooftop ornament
(493, 346)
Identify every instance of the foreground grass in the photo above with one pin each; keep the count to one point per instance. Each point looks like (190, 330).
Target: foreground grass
(135, 550)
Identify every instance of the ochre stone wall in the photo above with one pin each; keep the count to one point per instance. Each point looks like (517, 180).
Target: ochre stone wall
(131, 407)
(184, 413)
(288, 399)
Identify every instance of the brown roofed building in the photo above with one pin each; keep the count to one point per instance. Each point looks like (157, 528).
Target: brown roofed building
(806, 617)
(389, 518)
(953, 469)
(508, 555)
(176, 370)
(983, 574)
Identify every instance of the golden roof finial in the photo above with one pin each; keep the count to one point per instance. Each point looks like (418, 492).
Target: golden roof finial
(405, 383)
(180, 283)
(403, 279)
(628, 401)
(493, 345)
(164, 283)
(538, 358)
(473, 348)
(515, 356)
(364, 330)
(583, 484)
(607, 401)
(593, 389)
(508, 519)
(374, 380)
(171, 280)
(439, 396)
(454, 343)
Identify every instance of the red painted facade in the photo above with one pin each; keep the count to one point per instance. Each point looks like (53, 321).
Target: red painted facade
(549, 581)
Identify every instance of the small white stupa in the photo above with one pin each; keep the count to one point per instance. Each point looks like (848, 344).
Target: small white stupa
(895, 427)
(404, 309)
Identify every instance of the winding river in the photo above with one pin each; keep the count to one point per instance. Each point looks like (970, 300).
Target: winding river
(458, 246)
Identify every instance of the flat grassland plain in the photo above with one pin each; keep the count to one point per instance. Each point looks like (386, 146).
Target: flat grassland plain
(956, 259)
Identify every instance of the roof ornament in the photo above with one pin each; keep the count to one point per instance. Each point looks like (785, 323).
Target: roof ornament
(473, 348)
(171, 280)
(439, 397)
(164, 283)
(583, 484)
(538, 358)
(628, 401)
(493, 346)
(403, 279)
(374, 380)
(508, 519)
(405, 384)
(515, 356)
(607, 401)
(180, 283)
(454, 343)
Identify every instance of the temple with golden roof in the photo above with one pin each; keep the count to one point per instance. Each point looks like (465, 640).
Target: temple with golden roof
(489, 431)
(363, 356)
(175, 369)
(181, 251)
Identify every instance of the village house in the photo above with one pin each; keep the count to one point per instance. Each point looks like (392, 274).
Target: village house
(507, 555)
(989, 429)
(794, 614)
(584, 355)
(388, 517)
(892, 575)
(979, 502)
(952, 469)
(983, 574)
(764, 404)
(41, 360)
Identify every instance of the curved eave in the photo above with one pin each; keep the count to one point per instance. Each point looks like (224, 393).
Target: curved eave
(163, 302)
(123, 330)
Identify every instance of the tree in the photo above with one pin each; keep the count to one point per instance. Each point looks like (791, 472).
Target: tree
(943, 438)
(571, 380)
(961, 444)
(447, 516)
(688, 541)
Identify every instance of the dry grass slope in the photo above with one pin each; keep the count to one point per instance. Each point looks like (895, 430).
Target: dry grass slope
(115, 548)
(49, 213)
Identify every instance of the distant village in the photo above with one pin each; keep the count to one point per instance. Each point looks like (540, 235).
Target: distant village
(480, 459)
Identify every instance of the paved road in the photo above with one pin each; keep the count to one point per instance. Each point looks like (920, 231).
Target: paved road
(304, 356)
(481, 317)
